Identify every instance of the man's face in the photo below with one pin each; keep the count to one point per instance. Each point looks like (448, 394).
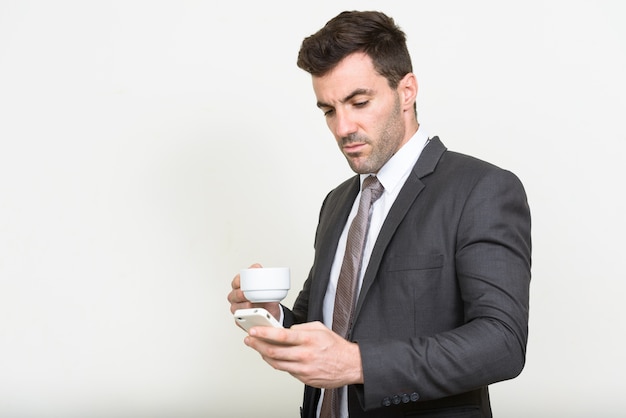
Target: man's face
(364, 114)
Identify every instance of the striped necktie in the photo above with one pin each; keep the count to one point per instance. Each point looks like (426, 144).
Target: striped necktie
(345, 297)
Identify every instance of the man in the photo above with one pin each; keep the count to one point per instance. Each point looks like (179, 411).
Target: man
(442, 283)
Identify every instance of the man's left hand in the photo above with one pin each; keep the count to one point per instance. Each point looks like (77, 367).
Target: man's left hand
(310, 352)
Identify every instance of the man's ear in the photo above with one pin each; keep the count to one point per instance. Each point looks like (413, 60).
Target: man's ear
(407, 89)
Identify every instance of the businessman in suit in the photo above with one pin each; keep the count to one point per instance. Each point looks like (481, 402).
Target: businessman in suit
(439, 308)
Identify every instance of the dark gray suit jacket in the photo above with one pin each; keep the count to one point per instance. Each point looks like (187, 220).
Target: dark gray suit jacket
(443, 310)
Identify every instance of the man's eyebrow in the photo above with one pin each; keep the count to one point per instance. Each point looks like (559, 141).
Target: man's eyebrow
(356, 92)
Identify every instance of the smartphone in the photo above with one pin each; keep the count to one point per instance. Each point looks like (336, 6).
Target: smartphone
(253, 317)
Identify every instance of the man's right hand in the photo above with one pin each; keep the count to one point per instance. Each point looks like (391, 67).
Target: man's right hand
(238, 300)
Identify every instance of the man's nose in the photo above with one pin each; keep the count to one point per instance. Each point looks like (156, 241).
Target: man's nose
(344, 125)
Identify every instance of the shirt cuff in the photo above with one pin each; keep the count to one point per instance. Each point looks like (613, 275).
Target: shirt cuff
(281, 318)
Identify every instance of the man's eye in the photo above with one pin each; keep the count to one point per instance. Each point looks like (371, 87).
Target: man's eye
(361, 104)
(328, 112)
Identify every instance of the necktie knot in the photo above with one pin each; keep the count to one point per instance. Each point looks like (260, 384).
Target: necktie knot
(372, 185)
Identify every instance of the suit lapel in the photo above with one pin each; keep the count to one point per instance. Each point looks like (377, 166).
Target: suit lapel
(413, 186)
(332, 221)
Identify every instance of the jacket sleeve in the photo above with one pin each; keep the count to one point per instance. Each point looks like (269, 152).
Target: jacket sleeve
(300, 312)
(491, 264)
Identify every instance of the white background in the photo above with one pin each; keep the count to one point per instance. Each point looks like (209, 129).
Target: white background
(151, 149)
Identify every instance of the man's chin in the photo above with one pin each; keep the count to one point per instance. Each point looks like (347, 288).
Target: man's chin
(360, 165)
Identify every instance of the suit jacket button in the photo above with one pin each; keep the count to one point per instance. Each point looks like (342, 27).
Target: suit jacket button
(396, 399)
(405, 398)
(414, 397)
(386, 401)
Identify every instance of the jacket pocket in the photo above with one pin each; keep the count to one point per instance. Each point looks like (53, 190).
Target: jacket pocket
(414, 262)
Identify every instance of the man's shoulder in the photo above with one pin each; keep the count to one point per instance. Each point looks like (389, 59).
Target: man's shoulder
(457, 168)
(468, 161)
(458, 171)
(436, 152)
(349, 187)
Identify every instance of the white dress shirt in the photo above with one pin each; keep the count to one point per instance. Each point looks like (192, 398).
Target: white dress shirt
(392, 176)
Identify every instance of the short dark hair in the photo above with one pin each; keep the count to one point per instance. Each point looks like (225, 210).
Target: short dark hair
(370, 32)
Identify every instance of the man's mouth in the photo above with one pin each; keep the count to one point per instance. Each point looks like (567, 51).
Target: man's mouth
(353, 147)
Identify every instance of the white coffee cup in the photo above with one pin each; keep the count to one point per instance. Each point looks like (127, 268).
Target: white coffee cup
(266, 284)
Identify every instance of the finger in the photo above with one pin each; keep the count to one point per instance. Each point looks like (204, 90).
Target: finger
(310, 326)
(237, 300)
(234, 296)
(277, 336)
(282, 357)
(236, 282)
(273, 352)
(242, 305)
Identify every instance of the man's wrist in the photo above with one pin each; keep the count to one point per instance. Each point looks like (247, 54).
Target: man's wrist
(356, 375)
